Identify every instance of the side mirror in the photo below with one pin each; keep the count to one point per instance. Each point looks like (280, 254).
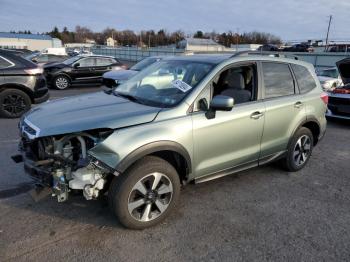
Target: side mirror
(219, 103)
(76, 65)
(35, 60)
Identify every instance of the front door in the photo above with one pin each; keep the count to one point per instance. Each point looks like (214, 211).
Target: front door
(232, 139)
(84, 70)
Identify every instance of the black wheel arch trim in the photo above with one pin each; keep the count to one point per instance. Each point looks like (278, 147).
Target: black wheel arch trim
(151, 148)
(28, 91)
(61, 74)
(308, 120)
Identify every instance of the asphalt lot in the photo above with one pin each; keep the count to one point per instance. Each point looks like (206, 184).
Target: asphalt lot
(264, 214)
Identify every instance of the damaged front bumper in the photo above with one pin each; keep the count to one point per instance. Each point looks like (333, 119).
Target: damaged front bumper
(67, 168)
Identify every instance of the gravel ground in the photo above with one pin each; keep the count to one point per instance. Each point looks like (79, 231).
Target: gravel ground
(264, 214)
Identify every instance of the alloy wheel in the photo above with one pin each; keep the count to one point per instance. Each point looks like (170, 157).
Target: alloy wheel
(61, 82)
(150, 197)
(302, 150)
(14, 104)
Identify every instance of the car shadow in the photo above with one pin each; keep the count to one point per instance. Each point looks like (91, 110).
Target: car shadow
(97, 212)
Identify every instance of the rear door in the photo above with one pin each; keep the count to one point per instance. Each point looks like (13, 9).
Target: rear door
(284, 108)
(103, 65)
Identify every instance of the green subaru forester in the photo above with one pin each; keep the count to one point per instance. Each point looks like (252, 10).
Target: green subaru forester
(189, 118)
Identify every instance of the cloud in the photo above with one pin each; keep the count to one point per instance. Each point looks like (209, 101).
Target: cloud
(297, 19)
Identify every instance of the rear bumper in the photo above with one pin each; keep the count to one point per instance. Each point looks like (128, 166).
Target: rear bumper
(331, 114)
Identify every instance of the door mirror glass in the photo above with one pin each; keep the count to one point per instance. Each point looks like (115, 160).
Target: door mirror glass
(76, 65)
(221, 103)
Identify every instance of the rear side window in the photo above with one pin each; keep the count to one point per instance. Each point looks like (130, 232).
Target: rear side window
(104, 61)
(4, 63)
(278, 80)
(305, 80)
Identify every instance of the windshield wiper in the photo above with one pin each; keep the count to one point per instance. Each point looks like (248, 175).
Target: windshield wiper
(129, 97)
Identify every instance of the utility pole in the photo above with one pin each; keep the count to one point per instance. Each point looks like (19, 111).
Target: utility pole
(329, 26)
(237, 35)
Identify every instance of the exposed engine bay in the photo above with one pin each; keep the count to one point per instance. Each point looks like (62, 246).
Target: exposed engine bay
(63, 164)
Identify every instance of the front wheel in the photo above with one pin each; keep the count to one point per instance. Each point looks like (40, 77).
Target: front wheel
(61, 82)
(299, 150)
(146, 194)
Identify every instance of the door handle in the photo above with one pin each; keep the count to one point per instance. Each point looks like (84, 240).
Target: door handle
(256, 115)
(298, 104)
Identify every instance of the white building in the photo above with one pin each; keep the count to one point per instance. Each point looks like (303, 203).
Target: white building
(110, 41)
(201, 45)
(28, 41)
(245, 47)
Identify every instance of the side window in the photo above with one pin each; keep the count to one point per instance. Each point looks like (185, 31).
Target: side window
(305, 80)
(86, 62)
(103, 61)
(278, 80)
(238, 82)
(4, 63)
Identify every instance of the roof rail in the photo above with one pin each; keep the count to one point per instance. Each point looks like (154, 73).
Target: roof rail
(241, 53)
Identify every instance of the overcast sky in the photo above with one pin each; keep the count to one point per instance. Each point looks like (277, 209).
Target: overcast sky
(291, 20)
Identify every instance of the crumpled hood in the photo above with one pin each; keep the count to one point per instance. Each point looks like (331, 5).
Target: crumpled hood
(86, 112)
(120, 74)
(344, 70)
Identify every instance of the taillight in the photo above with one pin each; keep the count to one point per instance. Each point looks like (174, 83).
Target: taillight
(34, 71)
(324, 97)
(341, 91)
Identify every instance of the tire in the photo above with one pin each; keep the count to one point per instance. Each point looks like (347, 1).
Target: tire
(14, 103)
(61, 82)
(299, 150)
(150, 206)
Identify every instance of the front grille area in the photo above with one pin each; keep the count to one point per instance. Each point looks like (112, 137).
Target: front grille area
(28, 129)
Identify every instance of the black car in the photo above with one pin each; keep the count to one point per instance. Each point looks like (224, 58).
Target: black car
(297, 48)
(339, 97)
(268, 47)
(42, 59)
(114, 78)
(21, 84)
(79, 70)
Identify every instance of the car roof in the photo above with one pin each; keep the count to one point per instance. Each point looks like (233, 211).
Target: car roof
(205, 58)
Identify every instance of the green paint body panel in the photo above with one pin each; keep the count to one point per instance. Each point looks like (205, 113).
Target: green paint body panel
(230, 139)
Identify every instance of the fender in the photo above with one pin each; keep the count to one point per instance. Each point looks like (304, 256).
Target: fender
(308, 120)
(152, 148)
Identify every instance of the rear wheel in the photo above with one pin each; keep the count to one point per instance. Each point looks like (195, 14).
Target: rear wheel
(299, 150)
(61, 82)
(145, 194)
(14, 103)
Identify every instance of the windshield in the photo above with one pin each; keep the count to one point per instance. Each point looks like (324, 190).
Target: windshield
(329, 73)
(165, 83)
(144, 63)
(71, 60)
